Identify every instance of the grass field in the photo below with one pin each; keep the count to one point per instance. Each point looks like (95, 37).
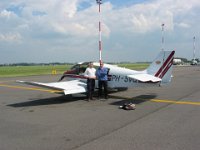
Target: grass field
(13, 71)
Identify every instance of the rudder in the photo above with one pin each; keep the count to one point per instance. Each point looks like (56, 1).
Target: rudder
(161, 67)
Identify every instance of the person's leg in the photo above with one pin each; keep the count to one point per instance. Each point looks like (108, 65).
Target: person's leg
(88, 89)
(105, 86)
(92, 88)
(100, 89)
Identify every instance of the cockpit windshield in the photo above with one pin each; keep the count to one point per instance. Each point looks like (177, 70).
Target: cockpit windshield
(80, 68)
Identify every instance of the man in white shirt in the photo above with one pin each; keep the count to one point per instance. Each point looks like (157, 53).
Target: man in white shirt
(90, 73)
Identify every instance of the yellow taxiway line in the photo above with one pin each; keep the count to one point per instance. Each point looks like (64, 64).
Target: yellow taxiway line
(175, 102)
(160, 100)
(151, 100)
(28, 88)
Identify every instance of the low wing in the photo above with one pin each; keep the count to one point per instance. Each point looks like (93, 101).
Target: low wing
(145, 78)
(68, 87)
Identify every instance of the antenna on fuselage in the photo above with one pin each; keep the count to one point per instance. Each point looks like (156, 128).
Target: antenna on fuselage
(99, 2)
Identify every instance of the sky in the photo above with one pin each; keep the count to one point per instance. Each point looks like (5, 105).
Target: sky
(41, 31)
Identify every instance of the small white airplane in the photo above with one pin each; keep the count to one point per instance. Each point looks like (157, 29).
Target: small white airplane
(158, 73)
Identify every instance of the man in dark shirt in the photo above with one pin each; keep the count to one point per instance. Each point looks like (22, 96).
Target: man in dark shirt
(102, 75)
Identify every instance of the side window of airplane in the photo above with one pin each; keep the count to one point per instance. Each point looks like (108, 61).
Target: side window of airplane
(108, 71)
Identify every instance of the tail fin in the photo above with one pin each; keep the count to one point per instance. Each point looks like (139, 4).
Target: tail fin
(161, 67)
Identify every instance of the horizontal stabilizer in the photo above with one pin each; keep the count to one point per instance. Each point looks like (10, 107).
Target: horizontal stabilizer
(145, 78)
(68, 87)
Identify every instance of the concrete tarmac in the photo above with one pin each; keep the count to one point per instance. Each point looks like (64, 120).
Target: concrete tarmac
(165, 118)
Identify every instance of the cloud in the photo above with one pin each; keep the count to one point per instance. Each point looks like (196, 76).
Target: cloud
(183, 25)
(65, 26)
(10, 37)
(5, 14)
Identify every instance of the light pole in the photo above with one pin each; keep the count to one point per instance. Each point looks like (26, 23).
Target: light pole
(162, 25)
(194, 48)
(163, 36)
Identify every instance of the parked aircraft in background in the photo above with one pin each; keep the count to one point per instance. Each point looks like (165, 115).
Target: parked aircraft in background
(177, 61)
(158, 73)
(193, 62)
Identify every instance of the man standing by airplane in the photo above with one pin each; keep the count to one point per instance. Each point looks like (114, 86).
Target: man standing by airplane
(102, 75)
(90, 74)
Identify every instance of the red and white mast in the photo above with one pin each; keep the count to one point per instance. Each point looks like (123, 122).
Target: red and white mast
(99, 2)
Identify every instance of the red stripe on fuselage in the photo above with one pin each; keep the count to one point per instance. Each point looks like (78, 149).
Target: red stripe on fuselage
(165, 63)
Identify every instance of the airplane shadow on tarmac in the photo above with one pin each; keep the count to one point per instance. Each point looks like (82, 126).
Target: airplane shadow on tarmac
(135, 100)
(66, 99)
(48, 101)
